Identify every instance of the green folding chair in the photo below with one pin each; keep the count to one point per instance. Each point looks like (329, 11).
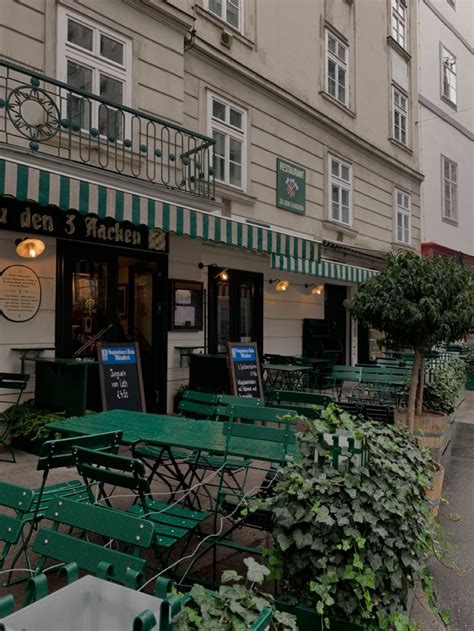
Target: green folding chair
(14, 383)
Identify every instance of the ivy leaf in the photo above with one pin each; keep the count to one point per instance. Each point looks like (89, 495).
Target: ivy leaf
(229, 576)
(256, 572)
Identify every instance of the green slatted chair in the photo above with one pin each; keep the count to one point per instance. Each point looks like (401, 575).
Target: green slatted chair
(55, 454)
(82, 553)
(16, 500)
(171, 523)
(14, 383)
(307, 404)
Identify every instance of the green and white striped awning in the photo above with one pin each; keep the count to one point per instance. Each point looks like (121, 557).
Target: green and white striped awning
(322, 269)
(29, 183)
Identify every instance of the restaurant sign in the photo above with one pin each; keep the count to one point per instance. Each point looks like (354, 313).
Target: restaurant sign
(291, 187)
(51, 221)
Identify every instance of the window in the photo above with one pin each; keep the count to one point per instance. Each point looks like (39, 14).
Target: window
(340, 191)
(336, 68)
(400, 116)
(402, 217)
(227, 10)
(449, 180)
(94, 59)
(448, 75)
(227, 126)
(399, 22)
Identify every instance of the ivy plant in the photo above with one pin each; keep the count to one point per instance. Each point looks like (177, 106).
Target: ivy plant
(418, 303)
(468, 358)
(352, 542)
(234, 606)
(442, 393)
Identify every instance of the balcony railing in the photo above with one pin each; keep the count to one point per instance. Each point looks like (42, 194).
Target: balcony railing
(50, 117)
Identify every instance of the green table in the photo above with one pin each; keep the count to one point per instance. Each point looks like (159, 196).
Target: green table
(287, 376)
(170, 431)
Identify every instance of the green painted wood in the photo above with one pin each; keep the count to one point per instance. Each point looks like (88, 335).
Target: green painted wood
(59, 453)
(10, 529)
(299, 397)
(172, 431)
(196, 409)
(65, 548)
(17, 497)
(254, 413)
(102, 520)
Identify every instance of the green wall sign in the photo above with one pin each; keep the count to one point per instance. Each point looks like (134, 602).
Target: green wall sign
(291, 187)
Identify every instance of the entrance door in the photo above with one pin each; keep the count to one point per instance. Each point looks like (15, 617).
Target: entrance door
(235, 308)
(335, 315)
(119, 295)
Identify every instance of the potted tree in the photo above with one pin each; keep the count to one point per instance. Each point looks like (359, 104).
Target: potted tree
(418, 303)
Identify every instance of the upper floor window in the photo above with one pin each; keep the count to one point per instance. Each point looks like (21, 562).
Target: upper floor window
(448, 78)
(402, 217)
(450, 188)
(227, 125)
(400, 116)
(227, 10)
(97, 60)
(337, 54)
(340, 191)
(399, 22)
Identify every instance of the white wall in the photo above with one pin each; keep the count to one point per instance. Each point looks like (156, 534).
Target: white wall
(40, 330)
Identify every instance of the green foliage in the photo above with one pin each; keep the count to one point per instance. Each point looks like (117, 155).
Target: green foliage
(30, 422)
(233, 607)
(352, 542)
(416, 301)
(442, 394)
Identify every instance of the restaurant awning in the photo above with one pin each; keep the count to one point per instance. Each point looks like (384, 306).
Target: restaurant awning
(322, 269)
(30, 183)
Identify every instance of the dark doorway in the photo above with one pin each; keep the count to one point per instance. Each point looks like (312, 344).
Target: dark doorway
(121, 293)
(235, 308)
(363, 350)
(335, 314)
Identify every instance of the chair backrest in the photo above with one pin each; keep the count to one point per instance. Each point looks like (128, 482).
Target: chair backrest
(105, 468)
(121, 567)
(196, 410)
(59, 453)
(264, 438)
(13, 380)
(20, 500)
(207, 398)
(16, 497)
(299, 397)
(253, 414)
(346, 373)
(232, 399)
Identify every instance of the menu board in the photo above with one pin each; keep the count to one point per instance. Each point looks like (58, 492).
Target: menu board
(121, 380)
(244, 366)
(20, 293)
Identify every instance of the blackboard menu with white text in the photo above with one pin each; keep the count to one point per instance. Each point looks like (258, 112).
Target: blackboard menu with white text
(244, 369)
(121, 377)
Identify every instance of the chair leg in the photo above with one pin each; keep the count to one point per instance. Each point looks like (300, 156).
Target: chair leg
(10, 449)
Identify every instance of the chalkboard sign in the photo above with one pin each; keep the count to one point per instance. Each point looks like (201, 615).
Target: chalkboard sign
(244, 367)
(121, 377)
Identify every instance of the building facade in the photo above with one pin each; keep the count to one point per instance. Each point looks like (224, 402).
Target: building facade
(180, 159)
(446, 127)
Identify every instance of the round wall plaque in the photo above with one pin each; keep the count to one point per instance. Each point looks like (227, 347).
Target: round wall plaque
(20, 293)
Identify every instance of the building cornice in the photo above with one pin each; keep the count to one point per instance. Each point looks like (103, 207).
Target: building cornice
(448, 24)
(164, 12)
(422, 100)
(223, 61)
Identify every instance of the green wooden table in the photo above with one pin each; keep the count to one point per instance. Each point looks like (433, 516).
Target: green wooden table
(287, 376)
(170, 431)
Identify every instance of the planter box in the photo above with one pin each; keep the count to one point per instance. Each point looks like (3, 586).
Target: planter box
(26, 444)
(431, 429)
(309, 620)
(470, 382)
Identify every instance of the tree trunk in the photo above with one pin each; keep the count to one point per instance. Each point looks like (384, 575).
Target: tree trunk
(420, 388)
(413, 390)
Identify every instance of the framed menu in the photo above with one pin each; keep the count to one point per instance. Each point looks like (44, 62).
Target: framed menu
(20, 293)
(244, 368)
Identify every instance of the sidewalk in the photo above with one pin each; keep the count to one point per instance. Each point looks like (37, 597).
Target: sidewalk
(455, 589)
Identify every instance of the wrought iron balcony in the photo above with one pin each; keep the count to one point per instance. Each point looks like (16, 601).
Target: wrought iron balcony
(49, 117)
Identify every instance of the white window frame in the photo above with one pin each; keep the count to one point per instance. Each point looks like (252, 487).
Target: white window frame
(224, 10)
(230, 132)
(443, 52)
(399, 22)
(67, 51)
(342, 185)
(403, 116)
(405, 212)
(340, 65)
(453, 190)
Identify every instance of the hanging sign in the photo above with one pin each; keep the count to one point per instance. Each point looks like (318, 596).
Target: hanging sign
(121, 379)
(244, 367)
(20, 293)
(291, 187)
(49, 220)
